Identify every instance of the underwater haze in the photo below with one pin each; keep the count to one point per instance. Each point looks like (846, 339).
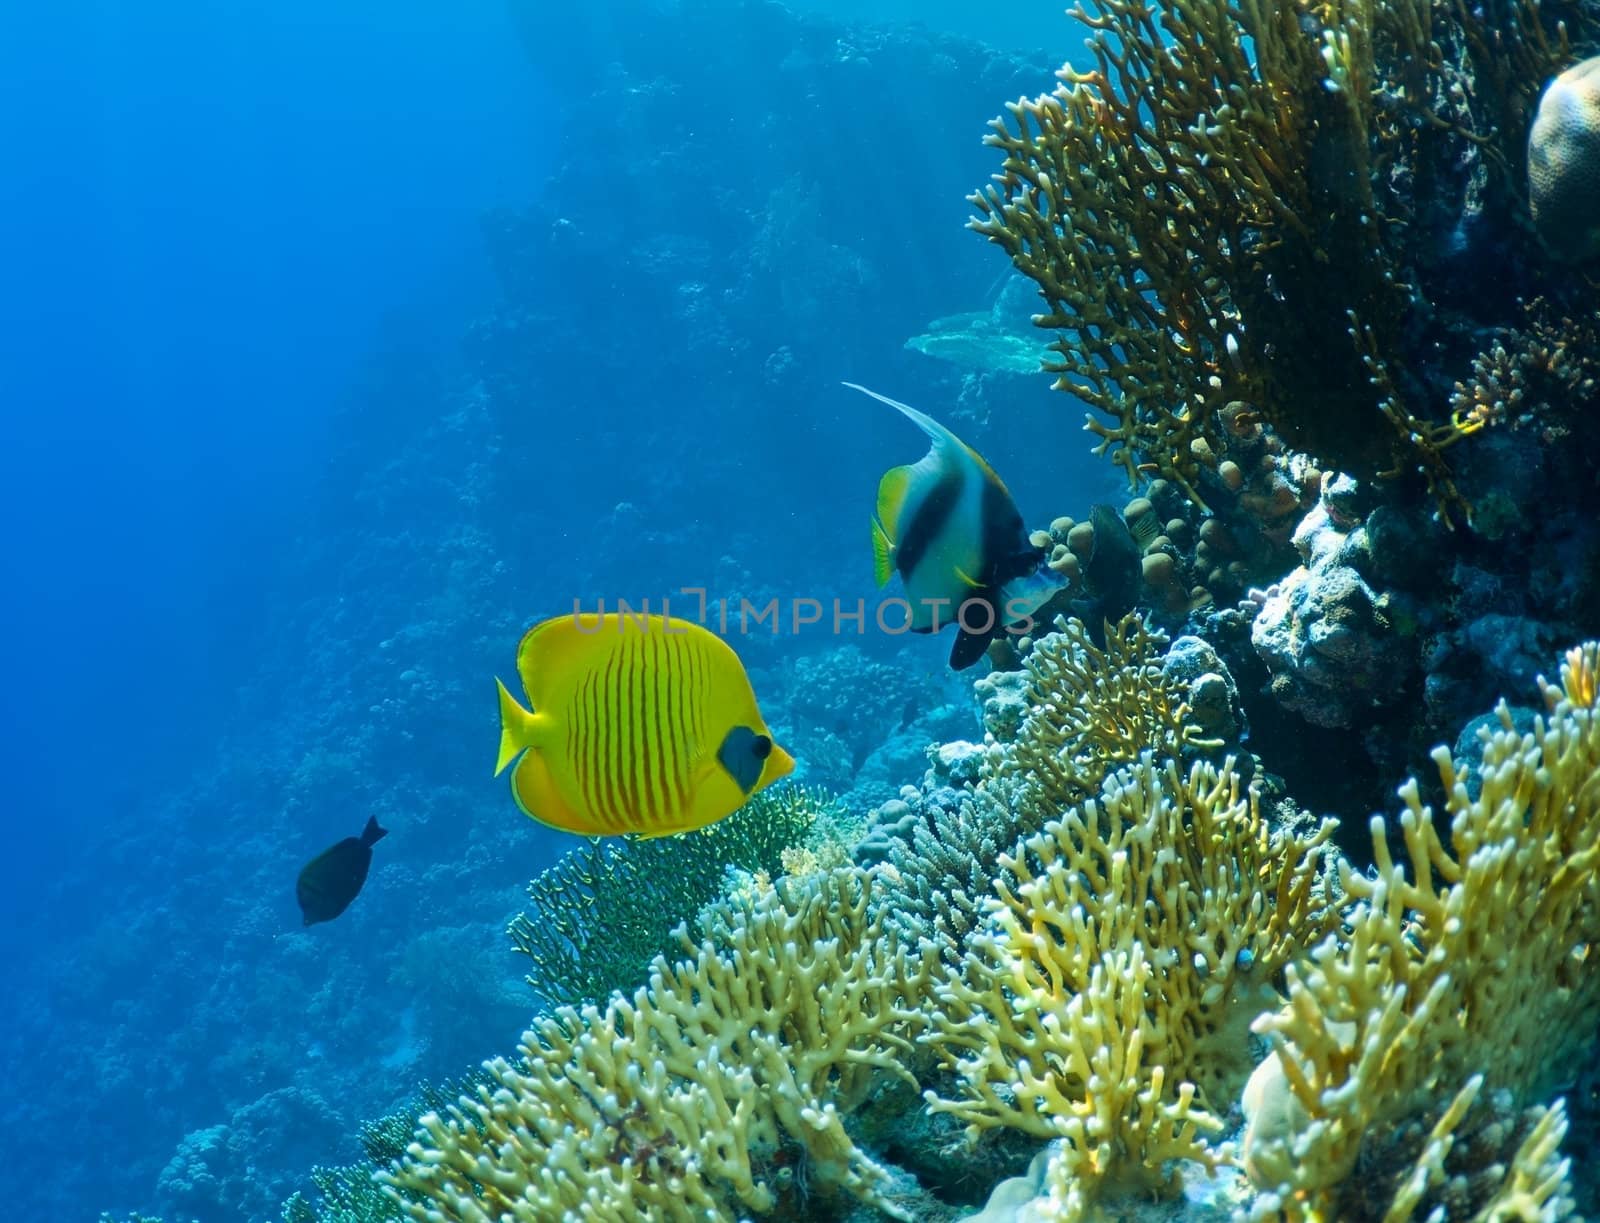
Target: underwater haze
(1136, 761)
(214, 217)
(1029, 26)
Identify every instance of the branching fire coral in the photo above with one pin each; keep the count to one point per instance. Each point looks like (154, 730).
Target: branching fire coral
(1476, 968)
(1108, 999)
(1207, 208)
(694, 1098)
(1090, 710)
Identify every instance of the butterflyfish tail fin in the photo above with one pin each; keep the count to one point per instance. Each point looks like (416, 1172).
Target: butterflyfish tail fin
(517, 727)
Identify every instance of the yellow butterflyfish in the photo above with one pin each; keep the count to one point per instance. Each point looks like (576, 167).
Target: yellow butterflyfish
(639, 725)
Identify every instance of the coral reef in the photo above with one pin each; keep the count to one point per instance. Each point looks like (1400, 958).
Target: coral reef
(1242, 205)
(720, 1086)
(1091, 709)
(1100, 976)
(1107, 1000)
(1280, 243)
(861, 722)
(606, 910)
(1335, 648)
(213, 1172)
(1564, 162)
(942, 871)
(1469, 970)
(1076, 712)
(351, 1193)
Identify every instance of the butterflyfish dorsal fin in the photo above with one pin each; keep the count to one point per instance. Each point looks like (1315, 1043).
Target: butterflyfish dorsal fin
(948, 449)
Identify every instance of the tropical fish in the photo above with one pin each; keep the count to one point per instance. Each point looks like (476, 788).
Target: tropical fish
(948, 526)
(1111, 575)
(639, 725)
(332, 879)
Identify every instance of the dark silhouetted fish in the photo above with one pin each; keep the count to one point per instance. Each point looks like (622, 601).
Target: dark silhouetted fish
(1112, 575)
(332, 879)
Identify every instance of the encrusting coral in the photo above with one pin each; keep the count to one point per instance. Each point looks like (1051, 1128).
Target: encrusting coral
(715, 1090)
(1107, 1000)
(1473, 969)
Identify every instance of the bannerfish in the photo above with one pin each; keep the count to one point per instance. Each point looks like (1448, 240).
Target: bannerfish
(332, 879)
(639, 725)
(948, 526)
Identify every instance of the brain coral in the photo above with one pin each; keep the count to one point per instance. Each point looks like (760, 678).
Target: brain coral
(1564, 162)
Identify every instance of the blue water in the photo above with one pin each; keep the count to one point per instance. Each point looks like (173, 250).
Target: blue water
(338, 344)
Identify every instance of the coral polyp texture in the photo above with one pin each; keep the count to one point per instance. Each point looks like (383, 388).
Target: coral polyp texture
(605, 910)
(1471, 971)
(1091, 709)
(1564, 162)
(1081, 710)
(716, 1090)
(1229, 207)
(1108, 997)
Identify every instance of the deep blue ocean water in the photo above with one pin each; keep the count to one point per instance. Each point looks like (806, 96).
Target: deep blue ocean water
(337, 345)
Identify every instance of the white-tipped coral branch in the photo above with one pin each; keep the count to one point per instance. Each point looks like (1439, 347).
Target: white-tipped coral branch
(1476, 964)
(1108, 1000)
(695, 1098)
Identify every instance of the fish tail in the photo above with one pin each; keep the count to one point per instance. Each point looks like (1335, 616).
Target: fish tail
(516, 729)
(372, 834)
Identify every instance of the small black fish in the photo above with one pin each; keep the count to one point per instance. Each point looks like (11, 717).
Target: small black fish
(332, 879)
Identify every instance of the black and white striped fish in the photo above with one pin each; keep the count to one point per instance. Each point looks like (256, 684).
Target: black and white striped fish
(947, 525)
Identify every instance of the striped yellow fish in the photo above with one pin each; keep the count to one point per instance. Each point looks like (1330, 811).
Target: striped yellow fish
(639, 725)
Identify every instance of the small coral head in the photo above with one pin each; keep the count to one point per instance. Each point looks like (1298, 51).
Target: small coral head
(1564, 163)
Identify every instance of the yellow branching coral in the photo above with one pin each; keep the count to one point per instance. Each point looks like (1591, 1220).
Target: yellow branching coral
(1535, 1185)
(1161, 201)
(1108, 998)
(1206, 208)
(1475, 968)
(1091, 710)
(688, 1100)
